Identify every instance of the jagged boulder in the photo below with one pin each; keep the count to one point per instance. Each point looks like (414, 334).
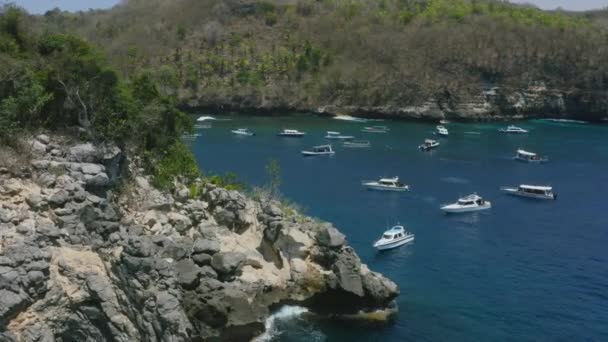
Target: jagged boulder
(228, 263)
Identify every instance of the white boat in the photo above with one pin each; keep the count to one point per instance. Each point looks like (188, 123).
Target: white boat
(394, 237)
(322, 150)
(513, 130)
(375, 129)
(205, 118)
(338, 136)
(386, 184)
(444, 122)
(291, 133)
(442, 131)
(243, 131)
(566, 121)
(349, 118)
(467, 204)
(429, 144)
(532, 191)
(529, 157)
(357, 144)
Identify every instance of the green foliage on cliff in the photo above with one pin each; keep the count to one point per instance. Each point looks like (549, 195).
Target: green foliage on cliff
(59, 81)
(306, 53)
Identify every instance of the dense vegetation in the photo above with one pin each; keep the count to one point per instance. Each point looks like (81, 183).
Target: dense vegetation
(306, 53)
(58, 81)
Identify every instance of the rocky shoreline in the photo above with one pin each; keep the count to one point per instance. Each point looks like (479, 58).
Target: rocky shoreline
(83, 259)
(490, 104)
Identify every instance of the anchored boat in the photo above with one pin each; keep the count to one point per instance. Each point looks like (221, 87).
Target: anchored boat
(338, 136)
(513, 130)
(442, 131)
(529, 157)
(293, 133)
(243, 132)
(375, 129)
(429, 144)
(394, 237)
(469, 203)
(531, 191)
(322, 150)
(386, 184)
(357, 144)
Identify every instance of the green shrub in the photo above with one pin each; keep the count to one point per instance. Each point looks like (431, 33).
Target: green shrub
(176, 164)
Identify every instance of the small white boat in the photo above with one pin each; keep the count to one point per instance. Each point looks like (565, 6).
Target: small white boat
(322, 150)
(442, 131)
(529, 157)
(375, 129)
(243, 132)
(467, 204)
(429, 144)
(532, 191)
(444, 122)
(513, 130)
(349, 118)
(357, 144)
(291, 133)
(205, 118)
(394, 237)
(386, 184)
(566, 121)
(338, 136)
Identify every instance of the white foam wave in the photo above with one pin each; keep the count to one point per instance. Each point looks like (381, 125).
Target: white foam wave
(285, 313)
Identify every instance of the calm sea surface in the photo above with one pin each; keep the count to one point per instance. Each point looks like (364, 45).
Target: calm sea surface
(524, 270)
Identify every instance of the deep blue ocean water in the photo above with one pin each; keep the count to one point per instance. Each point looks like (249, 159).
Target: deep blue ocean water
(525, 270)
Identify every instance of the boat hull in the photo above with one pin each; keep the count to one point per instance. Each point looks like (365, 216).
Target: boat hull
(515, 192)
(385, 188)
(243, 134)
(315, 154)
(532, 161)
(452, 209)
(393, 244)
(340, 137)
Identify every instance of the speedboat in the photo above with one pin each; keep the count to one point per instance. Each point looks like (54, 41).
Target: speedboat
(394, 237)
(442, 131)
(357, 144)
(322, 150)
(349, 118)
(444, 122)
(429, 144)
(243, 131)
(513, 130)
(531, 191)
(386, 184)
(291, 133)
(466, 204)
(338, 136)
(375, 129)
(205, 118)
(529, 157)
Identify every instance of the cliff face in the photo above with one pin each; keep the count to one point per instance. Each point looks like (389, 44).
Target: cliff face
(82, 262)
(492, 103)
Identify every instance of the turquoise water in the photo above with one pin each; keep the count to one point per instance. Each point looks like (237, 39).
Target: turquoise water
(523, 271)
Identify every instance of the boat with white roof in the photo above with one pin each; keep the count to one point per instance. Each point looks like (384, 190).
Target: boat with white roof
(338, 136)
(205, 118)
(468, 203)
(294, 133)
(442, 131)
(429, 144)
(321, 150)
(529, 157)
(511, 129)
(531, 191)
(394, 237)
(243, 132)
(357, 144)
(386, 184)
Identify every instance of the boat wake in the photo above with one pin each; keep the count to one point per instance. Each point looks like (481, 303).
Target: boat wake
(276, 323)
(455, 180)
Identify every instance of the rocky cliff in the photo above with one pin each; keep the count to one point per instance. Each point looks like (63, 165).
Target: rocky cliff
(82, 259)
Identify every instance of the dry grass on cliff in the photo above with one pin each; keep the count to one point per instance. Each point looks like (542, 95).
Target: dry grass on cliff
(16, 157)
